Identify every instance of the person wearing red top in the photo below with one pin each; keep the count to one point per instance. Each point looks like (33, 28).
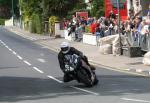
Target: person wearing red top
(92, 27)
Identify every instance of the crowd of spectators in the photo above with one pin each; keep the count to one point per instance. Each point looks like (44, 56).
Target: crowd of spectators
(135, 25)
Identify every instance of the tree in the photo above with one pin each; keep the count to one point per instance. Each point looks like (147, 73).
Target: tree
(46, 8)
(97, 8)
(6, 8)
(28, 7)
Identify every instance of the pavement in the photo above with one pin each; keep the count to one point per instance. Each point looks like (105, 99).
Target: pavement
(109, 61)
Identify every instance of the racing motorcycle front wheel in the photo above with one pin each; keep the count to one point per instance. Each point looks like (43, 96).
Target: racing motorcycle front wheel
(84, 77)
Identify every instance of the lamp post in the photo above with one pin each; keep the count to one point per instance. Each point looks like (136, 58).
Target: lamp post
(118, 8)
(12, 5)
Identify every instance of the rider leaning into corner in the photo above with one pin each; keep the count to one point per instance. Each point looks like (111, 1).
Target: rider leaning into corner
(66, 49)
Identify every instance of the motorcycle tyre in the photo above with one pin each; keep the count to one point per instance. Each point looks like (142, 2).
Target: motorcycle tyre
(84, 78)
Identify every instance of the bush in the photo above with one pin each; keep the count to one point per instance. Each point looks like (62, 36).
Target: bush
(32, 24)
(26, 23)
(2, 21)
(52, 21)
(36, 25)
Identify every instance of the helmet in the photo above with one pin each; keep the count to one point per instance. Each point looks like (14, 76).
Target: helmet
(65, 47)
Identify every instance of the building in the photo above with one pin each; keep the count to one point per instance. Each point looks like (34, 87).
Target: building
(125, 5)
(112, 5)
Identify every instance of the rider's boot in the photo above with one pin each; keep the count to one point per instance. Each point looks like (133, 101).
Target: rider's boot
(67, 78)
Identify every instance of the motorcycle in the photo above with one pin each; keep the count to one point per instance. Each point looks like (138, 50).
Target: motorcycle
(80, 71)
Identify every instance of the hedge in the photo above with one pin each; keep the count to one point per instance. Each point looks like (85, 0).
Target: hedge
(36, 25)
(2, 21)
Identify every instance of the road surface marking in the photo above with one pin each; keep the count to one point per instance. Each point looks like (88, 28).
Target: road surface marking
(19, 57)
(9, 49)
(14, 52)
(6, 46)
(2, 42)
(94, 93)
(41, 60)
(38, 69)
(135, 100)
(84, 90)
(27, 62)
(54, 79)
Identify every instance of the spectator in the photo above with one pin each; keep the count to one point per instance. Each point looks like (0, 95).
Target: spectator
(148, 13)
(144, 31)
(72, 26)
(131, 14)
(112, 15)
(89, 21)
(92, 27)
(98, 32)
(79, 31)
(137, 9)
(84, 23)
(65, 23)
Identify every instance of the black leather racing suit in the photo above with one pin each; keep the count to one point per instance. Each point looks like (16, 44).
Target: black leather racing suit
(61, 57)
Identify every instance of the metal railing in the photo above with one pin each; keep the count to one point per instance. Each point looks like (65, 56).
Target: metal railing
(142, 41)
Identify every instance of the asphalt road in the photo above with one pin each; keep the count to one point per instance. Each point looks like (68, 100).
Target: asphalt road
(29, 73)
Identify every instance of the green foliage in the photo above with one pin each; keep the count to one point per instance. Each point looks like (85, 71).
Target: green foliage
(2, 21)
(52, 21)
(5, 2)
(29, 7)
(36, 26)
(76, 6)
(97, 8)
(47, 8)
(6, 10)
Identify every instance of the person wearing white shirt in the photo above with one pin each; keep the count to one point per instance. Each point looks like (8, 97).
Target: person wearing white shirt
(137, 9)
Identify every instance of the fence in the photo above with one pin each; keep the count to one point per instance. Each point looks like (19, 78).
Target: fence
(143, 41)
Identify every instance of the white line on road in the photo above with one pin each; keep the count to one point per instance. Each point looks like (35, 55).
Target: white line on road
(9, 49)
(6, 46)
(87, 91)
(135, 100)
(38, 69)
(27, 62)
(54, 79)
(41, 60)
(94, 93)
(19, 57)
(2, 42)
(14, 52)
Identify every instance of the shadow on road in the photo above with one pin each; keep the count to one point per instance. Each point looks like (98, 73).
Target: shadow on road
(19, 88)
(121, 85)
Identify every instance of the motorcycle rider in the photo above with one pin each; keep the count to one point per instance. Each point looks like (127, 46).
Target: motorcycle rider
(64, 53)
